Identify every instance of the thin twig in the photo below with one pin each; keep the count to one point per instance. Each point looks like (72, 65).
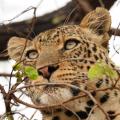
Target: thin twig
(33, 115)
(6, 75)
(114, 31)
(89, 115)
(7, 100)
(41, 107)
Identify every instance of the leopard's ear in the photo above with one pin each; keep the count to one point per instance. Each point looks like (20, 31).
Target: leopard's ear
(15, 47)
(98, 20)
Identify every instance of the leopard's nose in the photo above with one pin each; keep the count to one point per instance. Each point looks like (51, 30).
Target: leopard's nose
(47, 71)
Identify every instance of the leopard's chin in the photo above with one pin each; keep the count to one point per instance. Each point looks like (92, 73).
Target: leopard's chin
(55, 97)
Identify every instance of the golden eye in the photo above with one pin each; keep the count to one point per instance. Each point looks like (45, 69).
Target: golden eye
(71, 43)
(32, 54)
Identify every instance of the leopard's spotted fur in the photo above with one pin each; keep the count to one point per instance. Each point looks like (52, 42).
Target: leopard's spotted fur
(64, 55)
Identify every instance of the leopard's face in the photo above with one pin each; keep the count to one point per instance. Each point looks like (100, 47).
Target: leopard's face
(63, 55)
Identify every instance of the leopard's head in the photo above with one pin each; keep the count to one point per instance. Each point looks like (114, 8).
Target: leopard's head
(63, 55)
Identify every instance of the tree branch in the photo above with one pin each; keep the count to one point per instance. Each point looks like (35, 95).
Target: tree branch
(7, 99)
(6, 75)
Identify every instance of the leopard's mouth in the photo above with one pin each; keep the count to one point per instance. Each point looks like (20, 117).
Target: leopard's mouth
(52, 92)
(47, 71)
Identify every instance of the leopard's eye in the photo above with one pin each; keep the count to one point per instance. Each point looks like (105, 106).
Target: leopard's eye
(71, 43)
(32, 54)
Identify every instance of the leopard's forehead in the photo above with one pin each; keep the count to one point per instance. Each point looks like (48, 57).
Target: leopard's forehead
(60, 34)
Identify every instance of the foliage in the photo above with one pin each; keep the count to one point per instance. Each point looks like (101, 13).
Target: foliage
(100, 69)
(27, 71)
(31, 72)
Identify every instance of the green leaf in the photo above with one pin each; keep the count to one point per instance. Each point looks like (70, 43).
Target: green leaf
(110, 72)
(96, 71)
(19, 76)
(31, 72)
(101, 69)
(17, 67)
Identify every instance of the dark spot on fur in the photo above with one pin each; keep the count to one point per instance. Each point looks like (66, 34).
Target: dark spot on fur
(87, 44)
(111, 112)
(89, 53)
(99, 83)
(75, 83)
(90, 103)
(77, 54)
(58, 110)
(75, 57)
(104, 98)
(82, 114)
(85, 49)
(88, 67)
(91, 62)
(56, 118)
(96, 57)
(94, 48)
(84, 56)
(100, 30)
(93, 93)
(115, 93)
(81, 67)
(88, 109)
(68, 113)
(81, 48)
(107, 81)
(112, 117)
(38, 100)
(100, 56)
(85, 87)
(81, 60)
(75, 91)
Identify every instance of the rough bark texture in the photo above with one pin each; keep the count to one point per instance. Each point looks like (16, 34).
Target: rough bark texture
(72, 13)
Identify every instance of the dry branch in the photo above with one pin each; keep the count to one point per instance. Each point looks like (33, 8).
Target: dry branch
(6, 75)
(115, 32)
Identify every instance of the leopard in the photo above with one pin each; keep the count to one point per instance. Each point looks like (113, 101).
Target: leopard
(64, 55)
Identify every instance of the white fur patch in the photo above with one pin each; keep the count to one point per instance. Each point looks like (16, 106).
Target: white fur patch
(56, 97)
